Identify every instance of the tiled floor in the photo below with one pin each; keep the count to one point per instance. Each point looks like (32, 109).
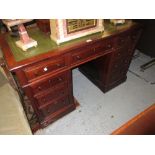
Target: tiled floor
(100, 113)
(149, 74)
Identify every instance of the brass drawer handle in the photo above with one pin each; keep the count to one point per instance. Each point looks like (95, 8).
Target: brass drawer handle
(39, 88)
(48, 111)
(109, 45)
(118, 54)
(126, 61)
(62, 92)
(50, 81)
(134, 37)
(45, 69)
(115, 66)
(44, 100)
(122, 40)
(63, 102)
(78, 57)
(59, 79)
(58, 65)
(123, 72)
(56, 102)
(36, 73)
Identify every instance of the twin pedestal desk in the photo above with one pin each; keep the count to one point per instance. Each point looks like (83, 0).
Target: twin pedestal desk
(43, 75)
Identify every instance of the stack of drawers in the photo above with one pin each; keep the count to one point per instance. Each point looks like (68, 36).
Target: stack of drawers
(122, 56)
(49, 88)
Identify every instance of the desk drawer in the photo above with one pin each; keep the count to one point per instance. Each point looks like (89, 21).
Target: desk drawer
(119, 68)
(122, 40)
(120, 63)
(45, 67)
(121, 52)
(49, 96)
(55, 106)
(84, 53)
(135, 35)
(114, 76)
(48, 83)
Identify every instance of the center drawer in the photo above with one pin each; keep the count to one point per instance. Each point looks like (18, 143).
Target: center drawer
(44, 67)
(88, 51)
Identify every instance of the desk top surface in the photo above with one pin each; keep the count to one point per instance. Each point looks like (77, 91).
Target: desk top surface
(45, 44)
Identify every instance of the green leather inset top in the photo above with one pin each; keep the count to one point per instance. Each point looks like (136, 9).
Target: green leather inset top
(45, 44)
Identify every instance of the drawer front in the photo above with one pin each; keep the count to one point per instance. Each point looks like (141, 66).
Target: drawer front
(48, 83)
(122, 52)
(84, 53)
(119, 68)
(120, 64)
(45, 67)
(122, 40)
(135, 35)
(117, 74)
(55, 106)
(103, 46)
(48, 97)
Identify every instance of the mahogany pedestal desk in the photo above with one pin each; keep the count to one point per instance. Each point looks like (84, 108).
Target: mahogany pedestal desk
(43, 75)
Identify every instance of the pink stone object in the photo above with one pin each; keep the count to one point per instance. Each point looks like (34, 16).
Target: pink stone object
(24, 37)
